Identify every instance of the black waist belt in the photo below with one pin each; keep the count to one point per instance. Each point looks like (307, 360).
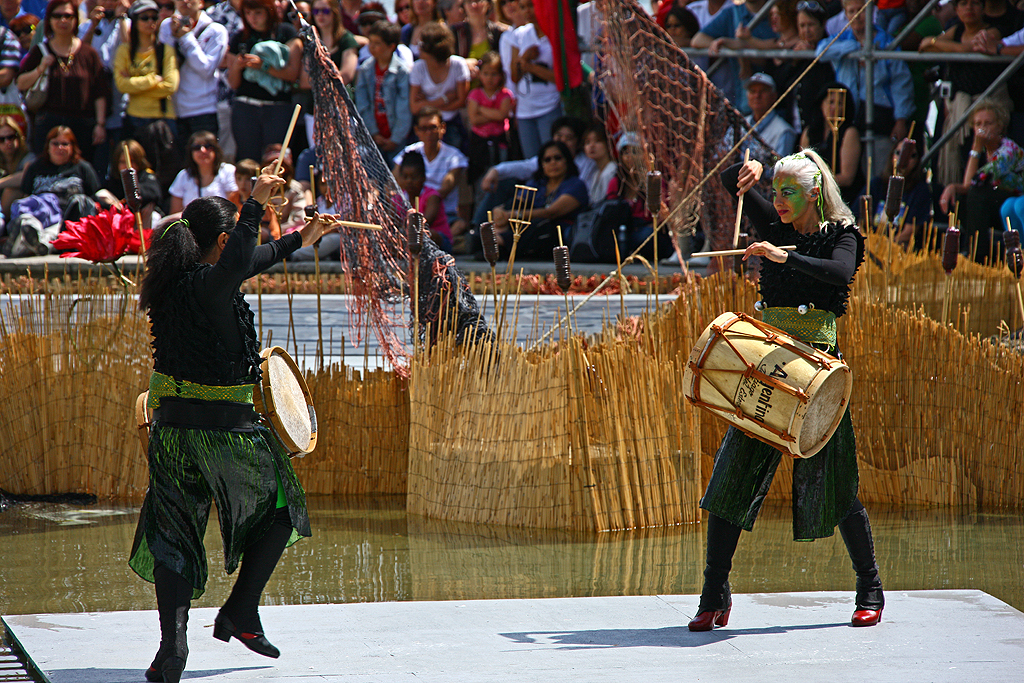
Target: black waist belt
(227, 416)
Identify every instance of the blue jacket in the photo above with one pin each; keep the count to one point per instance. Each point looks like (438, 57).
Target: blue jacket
(894, 87)
(396, 97)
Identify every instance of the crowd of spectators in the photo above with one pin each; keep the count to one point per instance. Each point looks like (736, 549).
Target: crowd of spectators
(460, 97)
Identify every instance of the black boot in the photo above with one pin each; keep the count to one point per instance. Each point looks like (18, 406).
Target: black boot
(715, 598)
(856, 532)
(239, 617)
(173, 594)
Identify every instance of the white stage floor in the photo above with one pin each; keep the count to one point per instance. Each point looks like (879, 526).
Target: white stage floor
(930, 636)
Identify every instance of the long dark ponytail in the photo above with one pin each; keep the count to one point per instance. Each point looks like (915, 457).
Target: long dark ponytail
(177, 248)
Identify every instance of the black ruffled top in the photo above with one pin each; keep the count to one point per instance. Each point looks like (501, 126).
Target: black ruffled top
(819, 271)
(203, 329)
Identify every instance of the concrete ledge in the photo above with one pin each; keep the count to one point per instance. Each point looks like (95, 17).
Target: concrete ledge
(925, 636)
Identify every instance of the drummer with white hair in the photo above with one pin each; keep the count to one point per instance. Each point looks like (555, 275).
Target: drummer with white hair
(803, 292)
(206, 441)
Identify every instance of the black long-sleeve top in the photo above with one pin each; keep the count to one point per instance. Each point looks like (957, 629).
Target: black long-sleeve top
(819, 271)
(203, 330)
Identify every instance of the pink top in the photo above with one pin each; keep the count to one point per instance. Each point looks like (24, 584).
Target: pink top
(440, 222)
(491, 128)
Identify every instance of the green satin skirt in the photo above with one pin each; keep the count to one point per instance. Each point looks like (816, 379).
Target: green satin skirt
(244, 473)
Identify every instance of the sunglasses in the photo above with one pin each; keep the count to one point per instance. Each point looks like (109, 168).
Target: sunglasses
(202, 148)
(25, 31)
(148, 17)
(8, 138)
(809, 6)
(59, 143)
(553, 158)
(62, 15)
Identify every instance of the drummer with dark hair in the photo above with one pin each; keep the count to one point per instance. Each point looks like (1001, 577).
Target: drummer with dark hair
(206, 442)
(803, 293)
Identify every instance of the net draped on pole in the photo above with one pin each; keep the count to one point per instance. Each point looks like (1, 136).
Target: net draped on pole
(683, 121)
(359, 185)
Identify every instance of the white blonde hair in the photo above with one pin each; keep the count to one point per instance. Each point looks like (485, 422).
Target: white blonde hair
(811, 171)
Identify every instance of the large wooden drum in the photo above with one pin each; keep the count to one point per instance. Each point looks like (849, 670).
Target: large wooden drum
(768, 384)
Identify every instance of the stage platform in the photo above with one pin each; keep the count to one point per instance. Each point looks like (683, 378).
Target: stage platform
(931, 636)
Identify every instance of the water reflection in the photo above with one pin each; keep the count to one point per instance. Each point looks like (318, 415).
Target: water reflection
(62, 559)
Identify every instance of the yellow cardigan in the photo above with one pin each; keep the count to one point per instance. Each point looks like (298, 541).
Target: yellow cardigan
(139, 81)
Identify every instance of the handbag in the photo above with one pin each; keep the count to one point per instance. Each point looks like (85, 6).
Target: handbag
(35, 97)
(593, 238)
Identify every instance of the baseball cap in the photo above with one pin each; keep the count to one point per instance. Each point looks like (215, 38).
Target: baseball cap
(140, 6)
(762, 78)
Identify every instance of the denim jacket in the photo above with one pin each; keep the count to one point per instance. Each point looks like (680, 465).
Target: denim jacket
(396, 97)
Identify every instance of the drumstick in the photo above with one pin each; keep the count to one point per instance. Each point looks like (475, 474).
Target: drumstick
(733, 252)
(287, 138)
(353, 224)
(739, 209)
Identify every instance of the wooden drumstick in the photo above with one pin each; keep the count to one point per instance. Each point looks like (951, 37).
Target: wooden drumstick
(733, 252)
(353, 224)
(739, 210)
(287, 138)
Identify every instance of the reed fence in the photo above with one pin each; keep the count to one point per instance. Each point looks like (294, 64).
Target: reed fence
(571, 437)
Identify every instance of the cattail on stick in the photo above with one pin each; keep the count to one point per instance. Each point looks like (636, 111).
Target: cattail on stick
(1015, 261)
(489, 242)
(950, 249)
(562, 274)
(415, 222)
(130, 181)
(906, 151)
(654, 192)
(1011, 239)
(894, 197)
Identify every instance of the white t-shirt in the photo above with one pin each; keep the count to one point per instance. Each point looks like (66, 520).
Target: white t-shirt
(447, 159)
(458, 72)
(701, 11)
(534, 97)
(187, 188)
(505, 44)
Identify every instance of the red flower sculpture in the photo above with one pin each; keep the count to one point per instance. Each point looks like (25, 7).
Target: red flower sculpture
(102, 238)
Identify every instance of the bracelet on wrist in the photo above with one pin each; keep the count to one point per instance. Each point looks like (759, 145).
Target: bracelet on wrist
(974, 154)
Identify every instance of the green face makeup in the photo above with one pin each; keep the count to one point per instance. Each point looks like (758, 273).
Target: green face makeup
(790, 199)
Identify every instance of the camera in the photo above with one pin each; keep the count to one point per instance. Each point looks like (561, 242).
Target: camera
(108, 14)
(185, 22)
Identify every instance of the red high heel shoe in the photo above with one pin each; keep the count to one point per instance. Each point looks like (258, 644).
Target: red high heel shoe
(708, 620)
(866, 617)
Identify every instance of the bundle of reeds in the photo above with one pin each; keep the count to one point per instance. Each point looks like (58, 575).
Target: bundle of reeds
(74, 359)
(564, 437)
(363, 439)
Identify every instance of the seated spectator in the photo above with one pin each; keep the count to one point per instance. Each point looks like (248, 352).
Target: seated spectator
(488, 109)
(681, 25)
(382, 91)
(595, 146)
(146, 71)
(289, 204)
(402, 50)
(630, 185)
(818, 136)
(112, 193)
(412, 176)
(58, 186)
(772, 128)
(967, 80)
(916, 209)
(440, 79)
(205, 173)
(731, 24)
(446, 165)
(452, 11)
(403, 12)
(994, 174)
(893, 87)
(245, 171)
(560, 197)
(14, 157)
(500, 181)
(340, 44)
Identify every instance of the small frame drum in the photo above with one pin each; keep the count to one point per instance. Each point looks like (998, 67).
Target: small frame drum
(768, 384)
(284, 401)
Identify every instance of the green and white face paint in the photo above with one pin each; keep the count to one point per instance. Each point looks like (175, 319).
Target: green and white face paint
(792, 201)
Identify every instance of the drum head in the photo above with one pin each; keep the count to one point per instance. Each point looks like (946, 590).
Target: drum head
(824, 412)
(287, 402)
